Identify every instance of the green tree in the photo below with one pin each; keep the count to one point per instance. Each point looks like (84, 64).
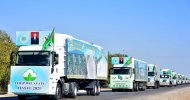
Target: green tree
(7, 46)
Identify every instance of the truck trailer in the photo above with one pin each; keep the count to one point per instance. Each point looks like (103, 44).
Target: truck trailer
(128, 73)
(56, 65)
(166, 77)
(153, 76)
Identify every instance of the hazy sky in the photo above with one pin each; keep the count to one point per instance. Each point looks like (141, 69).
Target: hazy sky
(156, 31)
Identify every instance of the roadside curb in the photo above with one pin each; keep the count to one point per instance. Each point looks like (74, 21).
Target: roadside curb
(7, 95)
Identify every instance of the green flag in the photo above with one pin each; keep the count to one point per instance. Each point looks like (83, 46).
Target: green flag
(128, 62)
(49, 40)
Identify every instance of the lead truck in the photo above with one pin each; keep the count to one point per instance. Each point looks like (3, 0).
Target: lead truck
(128, 73)
(56, 65)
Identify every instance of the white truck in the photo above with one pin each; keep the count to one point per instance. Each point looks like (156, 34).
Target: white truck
(153, 76)
(174, 78)
(128, 74)
(166, 77)
(56, 66)
(186, 79)
(183, 79)
(179, 81)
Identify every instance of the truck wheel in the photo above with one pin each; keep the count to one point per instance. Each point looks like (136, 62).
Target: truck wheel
(58, 94)
(170, 84)
(158, 85)
(136, 86)
(133, 88)
(144, 87)
(88, 92)
(98, 88)
(94, 89)
(21, 97)
(155, 85)
(74, 90)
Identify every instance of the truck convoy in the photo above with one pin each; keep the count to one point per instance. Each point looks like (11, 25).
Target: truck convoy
(166, 77)
(153, 76)
(174, 78)
(128, 74)
(57, 65)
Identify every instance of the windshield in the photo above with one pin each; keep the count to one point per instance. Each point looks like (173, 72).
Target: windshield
(164, 76)
(33, 58)
(150, 73)
(121, 71)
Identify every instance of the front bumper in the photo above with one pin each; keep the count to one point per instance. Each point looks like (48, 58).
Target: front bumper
(150, 84)
(164, 83)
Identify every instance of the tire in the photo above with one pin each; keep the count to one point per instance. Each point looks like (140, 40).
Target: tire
(21, 97)
(158, 85)
(133, 89)
(155, 85)
(144, 87)
(98, 89)
(136, 87)
(88, 92)
(170, 84)
(94, 89)
(74, 90)
(58, 94)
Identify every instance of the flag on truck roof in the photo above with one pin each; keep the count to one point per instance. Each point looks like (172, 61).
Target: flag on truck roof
(49, 40)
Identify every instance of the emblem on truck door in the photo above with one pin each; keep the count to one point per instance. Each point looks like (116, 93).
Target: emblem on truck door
(29, 75)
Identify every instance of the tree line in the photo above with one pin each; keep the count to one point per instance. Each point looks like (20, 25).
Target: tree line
(7, 46)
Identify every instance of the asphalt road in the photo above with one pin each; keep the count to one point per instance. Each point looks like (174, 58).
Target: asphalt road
(109, 95)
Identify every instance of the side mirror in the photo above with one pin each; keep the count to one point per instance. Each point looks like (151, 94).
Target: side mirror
(133, 70)
(56, 58)
(52, 61)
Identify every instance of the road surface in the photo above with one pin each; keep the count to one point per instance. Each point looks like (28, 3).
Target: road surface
(181, 92)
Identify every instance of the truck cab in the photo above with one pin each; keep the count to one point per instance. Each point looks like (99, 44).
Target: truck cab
(174, 78)
(128, 74)
(183, 79)
(179, 79)
(165, 77)
(121, 75)
(153, 76)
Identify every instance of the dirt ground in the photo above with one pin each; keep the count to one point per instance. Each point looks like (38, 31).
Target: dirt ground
(178, 94)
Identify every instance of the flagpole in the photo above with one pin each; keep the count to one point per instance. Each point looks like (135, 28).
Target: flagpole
(53, 37)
